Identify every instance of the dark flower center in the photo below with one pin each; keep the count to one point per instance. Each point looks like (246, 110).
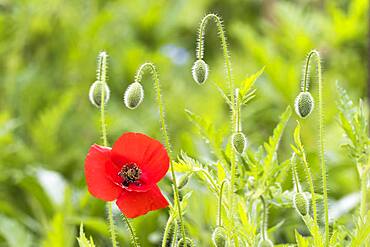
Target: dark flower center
(130, 173)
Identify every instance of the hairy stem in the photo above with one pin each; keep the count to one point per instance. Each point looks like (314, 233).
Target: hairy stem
(316, 54)
(159, 100)
(102, 77)
(132, 232)
(230, 84)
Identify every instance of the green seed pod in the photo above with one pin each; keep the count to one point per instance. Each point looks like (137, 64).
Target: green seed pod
(304, 104)
(134, 95)
(265, 243)
(188, 242)
(200, 71)
(95, 93)
(219, 237)
(239, 142)
(183, 181)
(301, 203)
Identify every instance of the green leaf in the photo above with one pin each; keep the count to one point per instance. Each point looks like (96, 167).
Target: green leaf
(273, 143)
(301, 241)
(248, 82)
(83, 241)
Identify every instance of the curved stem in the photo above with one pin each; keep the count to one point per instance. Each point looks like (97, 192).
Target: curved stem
(102, 77)
(159, 99)
(321, 135)
(230, 83)
(295, 174)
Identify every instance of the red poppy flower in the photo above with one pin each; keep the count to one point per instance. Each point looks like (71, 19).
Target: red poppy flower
(128, 172)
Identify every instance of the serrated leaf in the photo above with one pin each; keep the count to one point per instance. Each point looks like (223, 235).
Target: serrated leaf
(83, 241)
(248, 82)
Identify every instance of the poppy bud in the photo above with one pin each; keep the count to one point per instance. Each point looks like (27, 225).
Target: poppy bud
(200, 71)
(95, 93)
(304, 104)
(188, 242)
(219, 237)
(301, 203)
(134, 95)
(239, 142)
(183, 181)
(265, 243)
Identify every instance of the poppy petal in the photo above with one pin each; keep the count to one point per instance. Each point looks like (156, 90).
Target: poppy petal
(98, 183)
(149, 155)
(133, 204)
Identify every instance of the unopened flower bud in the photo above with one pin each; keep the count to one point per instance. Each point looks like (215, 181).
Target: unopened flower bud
(265, 243)
(304, 104)
(239, 142)
(95, 93)
(187, 242)
(200, 71)
(301, 203)
(219, 237)
(134, 95)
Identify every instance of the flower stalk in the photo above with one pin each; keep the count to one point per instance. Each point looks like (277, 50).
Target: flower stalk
(139, 74)
(303, 105)
(230, 84)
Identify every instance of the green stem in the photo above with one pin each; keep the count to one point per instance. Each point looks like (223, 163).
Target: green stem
(363, 208)
(264, 219)
(101, 76)
(132, 232)
(219, 218)
(230, 83)
(321, 135)
(159, 99)
(312, 188)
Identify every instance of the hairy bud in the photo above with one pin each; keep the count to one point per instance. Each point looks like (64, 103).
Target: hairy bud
(95, 93)
(265, 243)
(304, 104)
(301, 203)
(187, 242)
(239, 142)
(219, 237)
(200, 71)
(134, 95)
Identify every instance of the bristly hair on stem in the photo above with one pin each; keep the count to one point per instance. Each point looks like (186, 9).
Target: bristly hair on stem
(230, 85)
(302, 103)
(138, 78)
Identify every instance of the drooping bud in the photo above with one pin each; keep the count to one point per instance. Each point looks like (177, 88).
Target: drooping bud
(239, 142)
(200, 71)
(265, 243)
(187, 242)
(95, 93)
(301, 203)
(219, 237)
(304, 104)
(134, 95)
(183, 181)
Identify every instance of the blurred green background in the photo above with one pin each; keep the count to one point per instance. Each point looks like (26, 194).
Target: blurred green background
(48, 55)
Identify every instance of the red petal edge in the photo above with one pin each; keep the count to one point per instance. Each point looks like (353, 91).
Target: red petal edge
(133, 204)
(98, 183)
